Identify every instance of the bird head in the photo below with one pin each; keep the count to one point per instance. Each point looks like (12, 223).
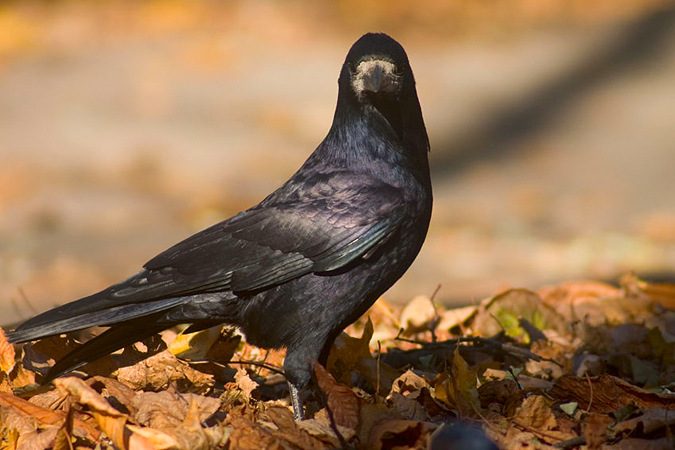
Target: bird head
(376, 81)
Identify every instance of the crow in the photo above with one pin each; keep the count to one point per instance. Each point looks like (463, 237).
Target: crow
(293, 271)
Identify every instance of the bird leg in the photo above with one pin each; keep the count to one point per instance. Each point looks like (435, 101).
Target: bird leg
(296, 401)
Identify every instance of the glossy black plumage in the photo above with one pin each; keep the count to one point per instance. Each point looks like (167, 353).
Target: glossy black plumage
(307, 261)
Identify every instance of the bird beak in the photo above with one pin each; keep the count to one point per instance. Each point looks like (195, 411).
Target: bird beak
(374, 76)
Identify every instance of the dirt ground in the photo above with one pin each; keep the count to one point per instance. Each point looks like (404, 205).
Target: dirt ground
(127, 126)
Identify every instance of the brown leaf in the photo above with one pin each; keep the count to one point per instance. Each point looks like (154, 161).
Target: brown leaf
(245, 383)
(342, 402)
(346, 354)
(407, 407)
(150, 439)
(595, 430)
(499, 391)
(111, 421)
(115, 392)
(351, 355)
(535, 413)
(321, 429)
(661, 293)
(418, 315)
(248, 435)
(6, 354)
(651, 420)
(28, 416)
(408, 382)
(160, 370)
(398, 433)
(607, 393)
(63, 440)
(168, 409)
(289, 430)
(504, 311)
(41, 355)
(458, 389)
(38, 439)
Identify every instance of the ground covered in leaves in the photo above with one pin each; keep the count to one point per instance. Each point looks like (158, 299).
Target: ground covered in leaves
(578, 365)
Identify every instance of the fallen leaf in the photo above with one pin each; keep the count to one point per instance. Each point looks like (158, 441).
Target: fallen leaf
(28, 416)
(6, 354)
(341, 401)
(398, 433)
(168, 409)
(195, 346)
(649, 421)
(504, 311)
(418, 315)
(244, 383)
(408, 382)
(112, 422)
(346, 354)
(458, 388)
(350, 356)
(535, 413)
(607, 393)
(321, 429)
(160, 370)
(595, 430)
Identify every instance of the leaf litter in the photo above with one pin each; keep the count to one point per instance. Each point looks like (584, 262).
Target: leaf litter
(578, 365)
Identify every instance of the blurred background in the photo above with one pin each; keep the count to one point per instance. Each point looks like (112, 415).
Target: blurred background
(126, 126)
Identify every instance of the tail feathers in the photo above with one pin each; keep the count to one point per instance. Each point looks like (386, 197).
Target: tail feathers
(107, 342)
(41, 326)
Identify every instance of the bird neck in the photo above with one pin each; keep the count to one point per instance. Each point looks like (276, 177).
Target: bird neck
(360, 135)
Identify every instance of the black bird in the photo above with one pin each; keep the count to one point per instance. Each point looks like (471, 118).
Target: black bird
(311, 258)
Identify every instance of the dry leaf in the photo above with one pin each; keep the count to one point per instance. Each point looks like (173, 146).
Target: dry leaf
(168, 409)
(341, 401)
(595, 430)
(111, 421)
(6, 354)
(28, 416)
(350, 356)
(418, 315)
(195, 346)
(321, 429)
(504, 311)
(458, 389)
(408, 382)
(246, 433)
(160, 370)
(245, 383)
(150, 439)
(346, 354)
(649, 421)
(534, 413)
(398, 433)
(607, 393)
(408, 407)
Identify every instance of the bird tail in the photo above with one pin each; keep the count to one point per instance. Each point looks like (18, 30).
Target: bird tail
(107, 342)
(53, 322)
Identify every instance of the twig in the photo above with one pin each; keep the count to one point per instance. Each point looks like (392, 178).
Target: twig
(590, 387)
(504, 346)
(437, 318)
(259, 364)
(242, 362)
(571, 443)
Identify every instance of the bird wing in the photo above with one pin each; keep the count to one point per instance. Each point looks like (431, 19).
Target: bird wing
(318, 230)
(318, 227)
